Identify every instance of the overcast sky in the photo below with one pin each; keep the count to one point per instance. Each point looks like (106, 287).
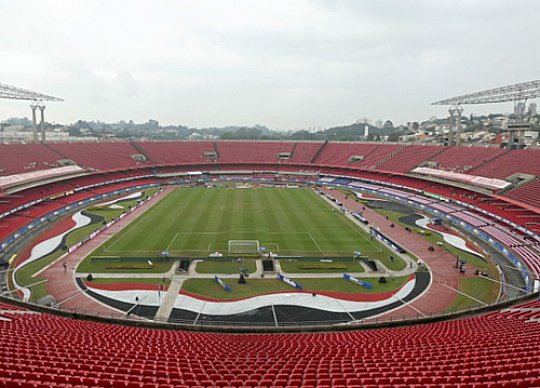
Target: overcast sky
(284, 64)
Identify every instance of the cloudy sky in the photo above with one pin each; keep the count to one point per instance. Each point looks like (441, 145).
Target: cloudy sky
(285, 64)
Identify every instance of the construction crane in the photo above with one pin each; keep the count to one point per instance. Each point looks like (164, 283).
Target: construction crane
(15, 93)
(516, 93)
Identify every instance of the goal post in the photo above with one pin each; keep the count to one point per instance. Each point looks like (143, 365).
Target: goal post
(243, 247)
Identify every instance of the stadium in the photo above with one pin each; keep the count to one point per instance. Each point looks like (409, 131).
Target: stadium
(277, 194)
(269, 263)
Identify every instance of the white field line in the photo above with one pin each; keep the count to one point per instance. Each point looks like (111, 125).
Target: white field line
(124, 231)
(216, 233)
(314, 242)
(171, 243)
(348, 222)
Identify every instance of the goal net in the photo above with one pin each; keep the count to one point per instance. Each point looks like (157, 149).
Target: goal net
(239, 247)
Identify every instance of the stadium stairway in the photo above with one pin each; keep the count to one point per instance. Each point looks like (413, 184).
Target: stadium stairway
(389, 156)
(292, 150)
(366, 156)
(319, 151)
(141, 151)
(379, 152)
(63, 156)
(408, 158)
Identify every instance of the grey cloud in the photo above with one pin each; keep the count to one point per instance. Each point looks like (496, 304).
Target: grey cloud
(286, 64)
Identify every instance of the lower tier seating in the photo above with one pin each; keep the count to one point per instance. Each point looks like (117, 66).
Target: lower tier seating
(498, 349)
(527, 193)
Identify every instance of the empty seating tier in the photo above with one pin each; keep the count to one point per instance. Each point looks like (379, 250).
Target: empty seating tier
(529, 193)
(101, 156)
(304, 152)
(339, 154)
(21, 158)
(409, 158)
(495, 349)
(462, 159)
(177, 152)
(516, 161)
(252, 152)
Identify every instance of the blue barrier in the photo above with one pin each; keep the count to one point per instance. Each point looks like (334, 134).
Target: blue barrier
(364, 284)
(225, 286)
(290, 282)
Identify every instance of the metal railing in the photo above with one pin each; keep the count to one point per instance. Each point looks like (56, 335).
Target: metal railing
(122, 317)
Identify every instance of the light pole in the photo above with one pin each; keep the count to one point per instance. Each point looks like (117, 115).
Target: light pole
(459, 111)
(452, 112)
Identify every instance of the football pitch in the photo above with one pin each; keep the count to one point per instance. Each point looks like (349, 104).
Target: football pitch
(198, 221)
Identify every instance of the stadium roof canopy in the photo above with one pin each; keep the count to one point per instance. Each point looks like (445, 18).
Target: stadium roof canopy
(516, 92)
(14, 93)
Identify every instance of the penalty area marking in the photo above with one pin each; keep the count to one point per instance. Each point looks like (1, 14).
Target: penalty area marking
(124, 230)
(350, 223)
(314, 242)
(172, 241)
(224, 247)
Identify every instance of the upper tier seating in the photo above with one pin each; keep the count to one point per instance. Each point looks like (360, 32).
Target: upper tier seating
(333, 158)
(250, 152)
(176, 152)
(381, 153)
(304, 152)
(524, 161)
(101, 156)
(21, 158)
(498, 349)
(338, 154)
(409, 158)
(463, 159)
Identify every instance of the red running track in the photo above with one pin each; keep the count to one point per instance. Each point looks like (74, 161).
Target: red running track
(441, 263)
(63, 288)
(61, 283)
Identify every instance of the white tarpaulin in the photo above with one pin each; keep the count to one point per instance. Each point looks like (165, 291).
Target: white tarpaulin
(490, 183)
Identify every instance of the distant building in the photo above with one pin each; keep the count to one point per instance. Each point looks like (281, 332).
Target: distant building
(531, 137)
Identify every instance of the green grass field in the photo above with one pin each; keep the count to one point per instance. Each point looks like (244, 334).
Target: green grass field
(479, 288)
(301, 266)
(215, 266)
(126, 266)
(253, 287)
(194, 221)
(167, 282)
